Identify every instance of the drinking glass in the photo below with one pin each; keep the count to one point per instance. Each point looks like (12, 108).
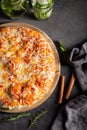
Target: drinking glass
(14, 8)
(42, 9)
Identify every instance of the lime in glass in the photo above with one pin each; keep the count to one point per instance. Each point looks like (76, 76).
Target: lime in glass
(14, 8)
(42, 8)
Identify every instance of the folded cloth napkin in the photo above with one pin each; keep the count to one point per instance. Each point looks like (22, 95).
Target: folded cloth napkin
(72, 116)
(78, 59)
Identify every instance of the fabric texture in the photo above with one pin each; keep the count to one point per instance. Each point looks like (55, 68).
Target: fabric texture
(73, 116)
(78, 59)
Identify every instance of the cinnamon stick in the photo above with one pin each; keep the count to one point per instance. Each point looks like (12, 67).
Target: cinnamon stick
(61, 91)
(69, 89)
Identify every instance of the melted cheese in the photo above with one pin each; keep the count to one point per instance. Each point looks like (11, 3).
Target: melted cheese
(27, 66)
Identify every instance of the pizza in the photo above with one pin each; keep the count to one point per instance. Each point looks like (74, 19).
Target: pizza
(27, 67)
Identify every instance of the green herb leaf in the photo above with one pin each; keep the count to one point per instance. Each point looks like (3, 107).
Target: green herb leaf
(62, 48)
(63, 52)
(37, 117)
(12, 118)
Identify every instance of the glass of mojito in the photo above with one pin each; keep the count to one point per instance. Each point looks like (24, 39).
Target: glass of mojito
(42, 9)
(14, 8)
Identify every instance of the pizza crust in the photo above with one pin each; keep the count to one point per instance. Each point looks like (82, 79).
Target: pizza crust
(27, 66)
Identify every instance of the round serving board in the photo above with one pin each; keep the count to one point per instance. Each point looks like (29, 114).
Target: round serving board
(57, 62)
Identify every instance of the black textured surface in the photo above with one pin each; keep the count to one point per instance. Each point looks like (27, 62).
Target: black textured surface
(68, 24)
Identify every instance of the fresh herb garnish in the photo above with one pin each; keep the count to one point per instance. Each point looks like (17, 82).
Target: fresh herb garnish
(37, 117)
(33, 121)
(63, 52)
(12, 118)
(62, 48)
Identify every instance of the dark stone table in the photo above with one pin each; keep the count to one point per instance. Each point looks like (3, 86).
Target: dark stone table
(68, 24)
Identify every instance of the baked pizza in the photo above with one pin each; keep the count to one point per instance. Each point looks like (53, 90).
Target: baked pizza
(27, 67)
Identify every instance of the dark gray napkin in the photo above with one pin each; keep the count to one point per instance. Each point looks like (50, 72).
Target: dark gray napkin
(78, 59)
(72, 116)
